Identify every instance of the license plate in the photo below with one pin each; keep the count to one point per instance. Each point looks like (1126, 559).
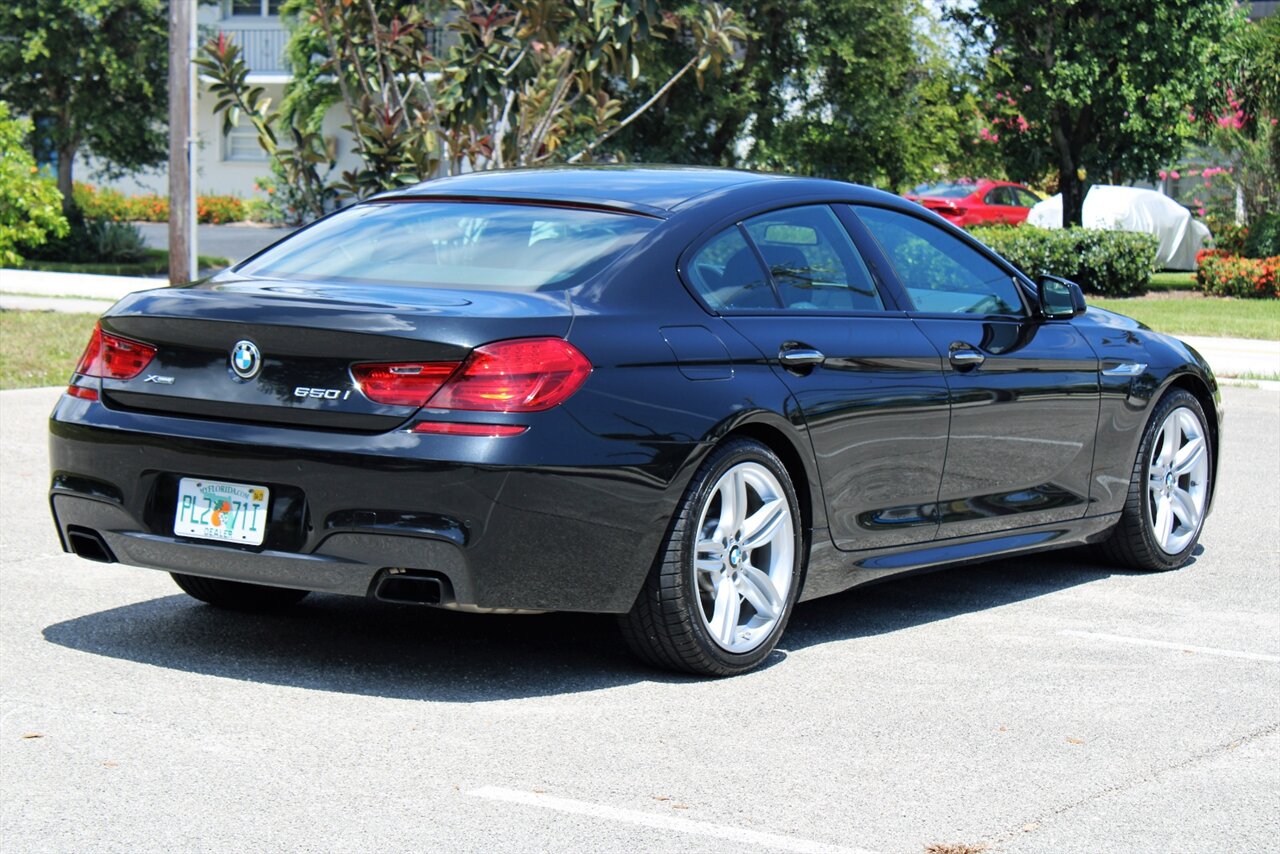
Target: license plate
(216, 510)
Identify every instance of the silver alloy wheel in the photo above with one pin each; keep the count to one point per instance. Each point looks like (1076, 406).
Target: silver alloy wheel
(1177, 480)
(745, 557)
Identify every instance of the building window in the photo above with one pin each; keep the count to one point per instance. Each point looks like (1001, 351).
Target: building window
(251, 8)
(241, 145)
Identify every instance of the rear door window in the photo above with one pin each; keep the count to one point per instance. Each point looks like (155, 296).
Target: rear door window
(814, 264)
(727, 274)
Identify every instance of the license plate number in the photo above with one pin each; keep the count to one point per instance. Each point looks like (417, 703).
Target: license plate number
(216, 510)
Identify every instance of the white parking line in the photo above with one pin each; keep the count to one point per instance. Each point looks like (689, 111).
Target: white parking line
(1205, 650)
(663, 822)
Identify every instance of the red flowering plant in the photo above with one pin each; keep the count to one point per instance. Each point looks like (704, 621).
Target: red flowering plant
(1226, 275)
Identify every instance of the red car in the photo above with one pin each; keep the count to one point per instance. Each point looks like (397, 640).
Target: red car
(976, 202)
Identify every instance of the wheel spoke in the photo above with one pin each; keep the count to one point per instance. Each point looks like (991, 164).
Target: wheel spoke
(1168, 441)
(757, 588)
(733, 504)
(1184, 507)
(724, 619)
(709, 550)
(1188, 456)
(1164, 521)
(763, 524)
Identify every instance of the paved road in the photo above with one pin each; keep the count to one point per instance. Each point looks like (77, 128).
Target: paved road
(1039, 705)
(236, 242)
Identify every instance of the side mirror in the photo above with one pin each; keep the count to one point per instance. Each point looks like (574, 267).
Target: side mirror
(1059, 298)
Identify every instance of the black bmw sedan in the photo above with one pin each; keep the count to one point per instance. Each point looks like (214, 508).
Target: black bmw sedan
(689, 397)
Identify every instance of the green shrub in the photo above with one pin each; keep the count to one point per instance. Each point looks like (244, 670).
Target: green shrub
(1112, 263)
(1226, 275)
(1227, 235)
(1263, 240)
(30, 204)
(119, 242)
(94, 240)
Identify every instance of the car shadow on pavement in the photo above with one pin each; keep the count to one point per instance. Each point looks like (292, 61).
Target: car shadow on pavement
(337, 643)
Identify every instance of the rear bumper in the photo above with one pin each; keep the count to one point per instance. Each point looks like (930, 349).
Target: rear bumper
(346, 509)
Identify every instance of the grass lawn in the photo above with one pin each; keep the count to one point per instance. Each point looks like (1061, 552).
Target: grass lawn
(1196, 315)
(39, 348)
(156, 263)
(1171, 281)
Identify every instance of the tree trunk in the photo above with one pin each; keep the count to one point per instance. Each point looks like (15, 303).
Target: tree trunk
(66, 157)
(1073, 193)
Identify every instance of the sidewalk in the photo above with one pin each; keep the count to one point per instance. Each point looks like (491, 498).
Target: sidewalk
(80, 293)
(33, 290)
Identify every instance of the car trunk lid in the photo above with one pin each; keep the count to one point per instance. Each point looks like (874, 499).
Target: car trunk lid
(306, 337)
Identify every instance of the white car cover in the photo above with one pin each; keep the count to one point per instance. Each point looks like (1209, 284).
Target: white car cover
(1134, 209)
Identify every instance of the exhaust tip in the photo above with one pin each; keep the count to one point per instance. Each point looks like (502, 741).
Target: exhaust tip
(409, 587)
(88, 544)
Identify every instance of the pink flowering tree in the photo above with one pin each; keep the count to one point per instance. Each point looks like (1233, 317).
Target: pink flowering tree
(1239, 131)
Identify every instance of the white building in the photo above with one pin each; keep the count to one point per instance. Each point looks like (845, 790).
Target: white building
(232, 163)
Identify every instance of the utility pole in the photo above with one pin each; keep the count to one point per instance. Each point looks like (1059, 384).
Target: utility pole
(182, 142)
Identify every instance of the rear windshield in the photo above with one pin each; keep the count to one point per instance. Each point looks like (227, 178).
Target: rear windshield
(454, 245)
(944, 190)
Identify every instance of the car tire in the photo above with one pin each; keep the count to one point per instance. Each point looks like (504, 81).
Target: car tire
(237, 595)
(725, 581)
(1169, 489)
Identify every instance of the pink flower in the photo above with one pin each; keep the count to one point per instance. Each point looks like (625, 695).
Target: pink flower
(1208, 183)
(1200, 211)
(1163, 174)
(1026, 88)
(1174, 175)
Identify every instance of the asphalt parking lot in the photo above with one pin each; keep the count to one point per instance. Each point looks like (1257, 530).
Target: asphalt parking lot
(1046, 704)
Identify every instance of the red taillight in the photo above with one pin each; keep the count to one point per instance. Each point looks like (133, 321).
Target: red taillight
(111, 357)
(402, 383)
(461, 428)
(520, 375)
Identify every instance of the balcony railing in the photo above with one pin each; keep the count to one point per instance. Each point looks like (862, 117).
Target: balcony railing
(263, 48)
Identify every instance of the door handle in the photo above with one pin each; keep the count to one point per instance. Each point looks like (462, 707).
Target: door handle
(966, 357)
(800, 357)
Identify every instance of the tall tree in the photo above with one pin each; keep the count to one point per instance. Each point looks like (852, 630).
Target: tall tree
(852, 89)
(1096, 87)
(91, 74)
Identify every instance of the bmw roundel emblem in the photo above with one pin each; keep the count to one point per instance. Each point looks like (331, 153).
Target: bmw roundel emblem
(246, 361)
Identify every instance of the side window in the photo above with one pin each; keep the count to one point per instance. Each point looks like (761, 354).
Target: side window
(996, 196)
(814, 264)
(1025, 198)
(727, 273)
(941, 274)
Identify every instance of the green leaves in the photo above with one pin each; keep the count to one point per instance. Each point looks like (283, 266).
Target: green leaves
(1109, 82)
(90, 73)
(30, 204)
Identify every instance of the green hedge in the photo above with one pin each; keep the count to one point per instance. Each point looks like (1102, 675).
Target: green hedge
(1112, 263)
(1263, 238)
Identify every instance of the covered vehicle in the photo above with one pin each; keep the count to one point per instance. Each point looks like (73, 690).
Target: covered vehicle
(688, 397)
(1135, 209)
(981, 202)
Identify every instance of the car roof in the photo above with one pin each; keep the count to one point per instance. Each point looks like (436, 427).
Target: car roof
(655, 190)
